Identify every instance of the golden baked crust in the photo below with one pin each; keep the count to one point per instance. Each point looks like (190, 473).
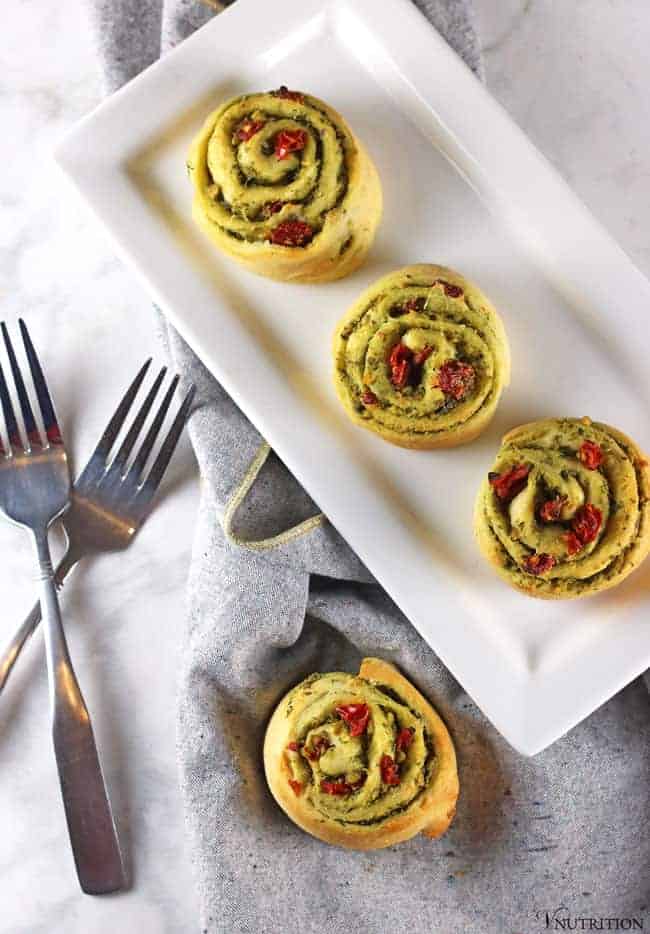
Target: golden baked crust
(443, 325)
(249, 193)
(372, 814)
(598, 484)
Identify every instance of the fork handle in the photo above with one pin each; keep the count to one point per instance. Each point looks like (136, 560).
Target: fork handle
(87, 808)
(30, 623)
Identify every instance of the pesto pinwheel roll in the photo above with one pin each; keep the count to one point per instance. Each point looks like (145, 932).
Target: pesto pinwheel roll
(361, 761)
(421, 358)
(564, 512)
(283, 186)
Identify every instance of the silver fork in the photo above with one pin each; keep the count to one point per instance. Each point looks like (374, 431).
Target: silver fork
(108, 503)
(34, 491)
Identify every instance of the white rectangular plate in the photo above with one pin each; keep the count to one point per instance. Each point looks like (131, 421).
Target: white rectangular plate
(464, 187)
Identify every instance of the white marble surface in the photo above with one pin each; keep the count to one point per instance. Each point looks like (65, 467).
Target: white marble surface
(574, 75)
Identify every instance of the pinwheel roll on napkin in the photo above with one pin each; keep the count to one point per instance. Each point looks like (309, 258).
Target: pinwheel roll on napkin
(282, 185)
(421, 358)
(361, 761)
(565, 511)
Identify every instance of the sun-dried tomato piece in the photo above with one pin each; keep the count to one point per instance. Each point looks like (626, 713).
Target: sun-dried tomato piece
(287, 95)
(406, 365)
(292, 233)
(453, 291)
(399, 353)
(506, 485)
(288, 141)
(356, 716)
(551, 510)
(401, 374)
(368, 397)
(319, 745)
(248, 128)
(414, 304)
(590, 454)
(296, 787)
(538, 564)
(293, 747)
(337, 787)
(587, 522)
(585, 526)
(400, 365)
(273, 207)
(404, 739)
(456, 379)
(389, 771)
(573, 543)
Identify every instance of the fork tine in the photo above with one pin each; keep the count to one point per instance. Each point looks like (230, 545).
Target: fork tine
(135, 471)
(52, 430)
(131, 437)
(31, 429)
(15, 441)
(107, 440)
(168, 447)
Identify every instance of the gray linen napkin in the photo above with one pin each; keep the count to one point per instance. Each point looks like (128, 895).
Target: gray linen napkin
(267, 606)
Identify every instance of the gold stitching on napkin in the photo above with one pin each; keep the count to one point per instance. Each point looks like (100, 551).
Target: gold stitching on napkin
(240, 495)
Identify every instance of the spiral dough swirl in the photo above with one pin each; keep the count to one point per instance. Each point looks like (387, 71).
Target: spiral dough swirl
(421, 358)
(361, 762)
(282, 185)
(565, 511)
